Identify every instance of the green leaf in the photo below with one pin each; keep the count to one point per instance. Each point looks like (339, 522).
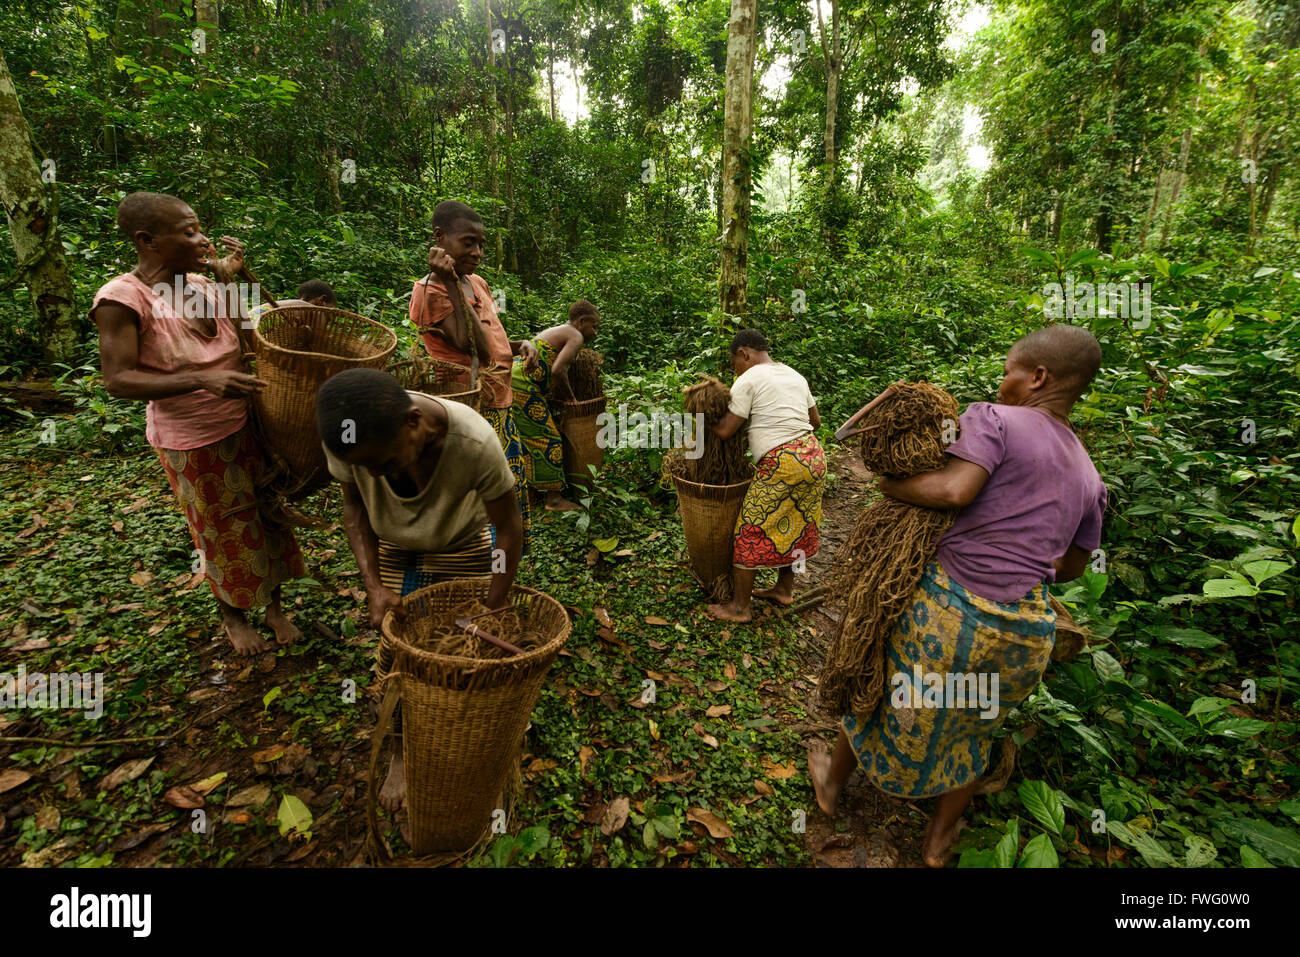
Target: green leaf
(1094, 739)
(1042, 801)
(1004, 855)
(972, 857)
(1187, 637)
(1239, 727)
(1276, 843)
(1252, 858)
(533, 839)
(1211, 706)
(271, 696)
(1108, 669)
(293, 816)
(1263, 571)
(1152, 851)
(1200, 852)
(1039, 853)
(606, 544)
(1291, 809)
(1228, 588)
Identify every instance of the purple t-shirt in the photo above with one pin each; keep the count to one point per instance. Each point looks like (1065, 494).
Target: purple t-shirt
(1042, 496)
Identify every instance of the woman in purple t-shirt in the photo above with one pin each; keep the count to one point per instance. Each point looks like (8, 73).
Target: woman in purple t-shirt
(979, 633)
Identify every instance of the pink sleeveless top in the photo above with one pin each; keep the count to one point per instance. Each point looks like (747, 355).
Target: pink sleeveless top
(169, 344)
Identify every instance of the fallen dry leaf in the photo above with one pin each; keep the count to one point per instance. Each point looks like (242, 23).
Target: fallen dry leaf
(267, 755)
(717, 710)
(602, 616)
(656, 620)
(129, 606)
(128, 841)
(656, 645)
(183, 797)
(33, 644)
(615, 816)
(779, 771)
(707, 738)
(125, 772)
(539, 765)
(716, 686)
(717, 826)
(762, 787)
(584, 755)
(141, 579)
(207, 784)
(729, 670)
(48, 817)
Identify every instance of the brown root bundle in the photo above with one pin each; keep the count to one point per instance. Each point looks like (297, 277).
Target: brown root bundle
(442, 636)
(584, 377)
(723, 462)
(877, 569)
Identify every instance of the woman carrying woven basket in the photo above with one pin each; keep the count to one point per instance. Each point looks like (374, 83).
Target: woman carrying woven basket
(780, 518)
(166, 337)
(531, 385)
(422, 477)
(979, 629)
(445, 328)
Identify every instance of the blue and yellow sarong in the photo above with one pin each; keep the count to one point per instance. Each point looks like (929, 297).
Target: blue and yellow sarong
(916, 750)
(538, 430)
(503, 423)
(403, 570)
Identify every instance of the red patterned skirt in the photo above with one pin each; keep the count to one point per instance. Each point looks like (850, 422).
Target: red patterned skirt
(244, 558)
(780, 518)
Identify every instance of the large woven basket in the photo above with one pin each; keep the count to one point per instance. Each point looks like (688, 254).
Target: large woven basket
(709, 514)
(579, 430)
(297, 348)
(446, 380)
(463, 719)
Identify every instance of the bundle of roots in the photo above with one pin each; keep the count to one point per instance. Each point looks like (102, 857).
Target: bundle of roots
(584, 377)
(441, 635)
(723, 461)
(878, 568)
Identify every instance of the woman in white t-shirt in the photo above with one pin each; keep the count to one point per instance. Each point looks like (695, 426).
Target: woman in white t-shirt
(779, 522)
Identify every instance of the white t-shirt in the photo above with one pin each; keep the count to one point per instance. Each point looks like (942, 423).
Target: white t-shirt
(775, 399)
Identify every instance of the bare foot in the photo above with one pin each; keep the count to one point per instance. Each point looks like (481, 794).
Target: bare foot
(730, 612)
(938, 847)
(244, 638)
(286, 632)
(555, 502)
(393, 793)
(828, 792)
(777, 594)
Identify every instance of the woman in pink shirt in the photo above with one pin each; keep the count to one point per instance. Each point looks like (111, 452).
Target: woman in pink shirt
(978, 635)
(165, 337)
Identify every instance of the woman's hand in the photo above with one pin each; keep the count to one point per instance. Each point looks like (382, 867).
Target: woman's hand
(229, 384)
(235, 258)
(528, 352)
(442, 266)
(383, 600)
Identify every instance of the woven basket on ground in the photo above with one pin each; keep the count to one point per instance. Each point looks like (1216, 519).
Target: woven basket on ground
(579, 430)
(446, 380)
(463, 719)
(709, 514)
(297, 348)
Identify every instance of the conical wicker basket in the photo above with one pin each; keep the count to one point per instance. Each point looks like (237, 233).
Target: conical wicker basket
(297, 348)
(446, 380)
(579, 430)
(463, 719)
(709, 514)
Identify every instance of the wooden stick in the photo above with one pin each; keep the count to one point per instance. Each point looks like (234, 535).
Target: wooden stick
(464, 622)
(846, 430)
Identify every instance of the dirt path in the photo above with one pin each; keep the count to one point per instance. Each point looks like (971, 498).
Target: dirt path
(871, 829)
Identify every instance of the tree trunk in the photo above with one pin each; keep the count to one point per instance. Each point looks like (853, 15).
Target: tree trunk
(494, 179)
(738, 121)
(550, 75)
(831, 55)
(35, 236)
(510, 166)
(330, 156)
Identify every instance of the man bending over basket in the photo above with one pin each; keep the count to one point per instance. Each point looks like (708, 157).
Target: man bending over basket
(780, 518)
(531, 384)
(458, 237)
(422, 477)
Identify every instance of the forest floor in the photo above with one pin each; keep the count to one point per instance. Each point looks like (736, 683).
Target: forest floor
(712, 772)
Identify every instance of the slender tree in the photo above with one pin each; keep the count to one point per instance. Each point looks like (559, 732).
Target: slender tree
(738, 122)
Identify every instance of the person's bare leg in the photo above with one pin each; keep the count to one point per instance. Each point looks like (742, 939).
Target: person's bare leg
(830, 771)
(783, 591)
(556, 502)
(392, 795)
(241, 634)
(945, 824)
(286, 632)
(738, 608)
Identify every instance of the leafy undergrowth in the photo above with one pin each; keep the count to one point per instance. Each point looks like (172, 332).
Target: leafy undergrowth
(264, 760)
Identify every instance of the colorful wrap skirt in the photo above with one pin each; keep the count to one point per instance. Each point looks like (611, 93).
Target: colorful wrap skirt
(503, 421)
(780, 517)
(955, 665)
(538, 430)
(245, 558)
